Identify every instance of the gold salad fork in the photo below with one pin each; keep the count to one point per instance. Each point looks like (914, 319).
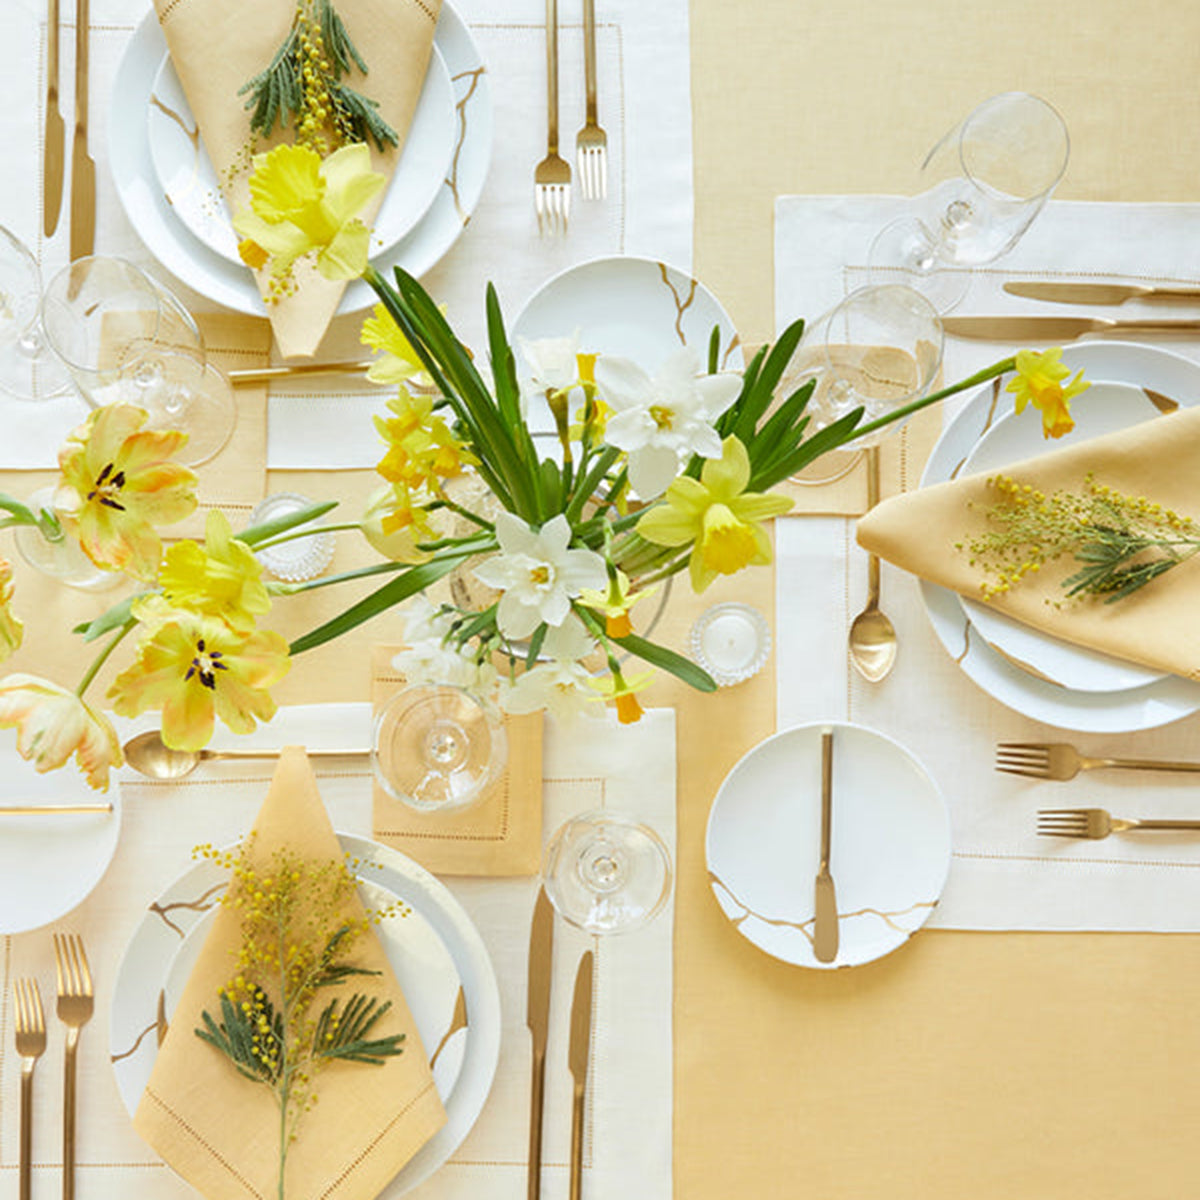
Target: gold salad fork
(75, 1003)
(1059, 760)
(552, 178)
(1097, 823)
(31, 1044)
(591, 142)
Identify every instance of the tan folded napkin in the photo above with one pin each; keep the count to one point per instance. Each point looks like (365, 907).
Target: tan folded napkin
(1155, 626)
(218, 1130)
(499, 835)
(217, 45)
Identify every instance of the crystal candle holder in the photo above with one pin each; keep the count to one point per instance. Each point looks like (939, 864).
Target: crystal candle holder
(299, 558)
(731, 642)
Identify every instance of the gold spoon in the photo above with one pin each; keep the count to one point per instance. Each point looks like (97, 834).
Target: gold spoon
(872, 635)
(148, 754)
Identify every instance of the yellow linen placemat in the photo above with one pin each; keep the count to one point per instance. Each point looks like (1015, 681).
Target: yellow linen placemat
(499, 835)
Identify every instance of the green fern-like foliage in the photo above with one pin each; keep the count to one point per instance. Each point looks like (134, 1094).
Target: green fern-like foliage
(346, 1034)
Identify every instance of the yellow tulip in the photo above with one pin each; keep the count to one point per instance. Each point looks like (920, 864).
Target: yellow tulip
(11, 629)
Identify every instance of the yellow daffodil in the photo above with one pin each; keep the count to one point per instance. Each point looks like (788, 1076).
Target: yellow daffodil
(196, 668)
(622, 693)
(302, 204)
(394, 525)
(222, 578)
(1039, 381)
(615, 602)
(117, 485)
(53, 724)
(421, 448)
(398, 361)
(717, 515)
(11, 628)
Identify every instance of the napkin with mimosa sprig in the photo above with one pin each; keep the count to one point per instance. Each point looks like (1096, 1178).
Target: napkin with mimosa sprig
(218, 46)
(1130, 491)
(219, 1129)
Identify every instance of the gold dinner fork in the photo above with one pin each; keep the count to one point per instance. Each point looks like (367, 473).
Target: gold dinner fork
(75, 1003)
(31, 1044)
(1096, 823)
(591, 142)
(1059, 760)
(552, 178)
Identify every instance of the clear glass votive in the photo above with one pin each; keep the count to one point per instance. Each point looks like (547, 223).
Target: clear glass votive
(731, 642)
(300, 558)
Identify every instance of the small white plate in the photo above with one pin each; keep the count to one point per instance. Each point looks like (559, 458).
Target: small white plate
(1104, 408)
(1147, 707)
(50, 864)
(890, 844)
(629, 307)
(188, 180)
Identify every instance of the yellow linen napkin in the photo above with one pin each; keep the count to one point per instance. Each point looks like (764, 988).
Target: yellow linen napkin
(217, 45)
(219, 1130)
(499, 835)
(1154, 626)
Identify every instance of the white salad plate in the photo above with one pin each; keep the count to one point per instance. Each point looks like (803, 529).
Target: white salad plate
(49, 864)
(437, 954)
(196, 263)
(626, 307)
(1111, 710)
(890, 844)
(189, 181)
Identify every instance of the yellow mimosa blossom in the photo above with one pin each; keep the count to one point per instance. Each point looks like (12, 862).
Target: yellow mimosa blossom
(399, 362)
(11, 628)
(117, 485)
(622, 693)
(302, 204)
(1039, 381)
(717, 515)
(421, 448)
(615, 603)
(393, 525)
(196, 668)
(53, 724)
(222, 578)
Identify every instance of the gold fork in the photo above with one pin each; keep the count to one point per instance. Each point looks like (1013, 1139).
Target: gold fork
(591, 142)
(31, 1044)
(1059, 760)
(1096, 823)
(75, 1003)
(552, 178)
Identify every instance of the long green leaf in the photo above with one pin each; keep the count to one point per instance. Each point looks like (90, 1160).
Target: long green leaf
(668, 660)
(252, 535)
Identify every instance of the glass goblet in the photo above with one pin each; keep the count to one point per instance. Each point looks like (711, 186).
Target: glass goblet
(28, 368)
(605, 872)
(437, 748)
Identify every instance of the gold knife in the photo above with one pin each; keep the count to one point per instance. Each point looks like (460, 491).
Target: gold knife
(825, 923)
(248, 375)
(51, 810)
(52, 150)
(1098, 293)
(1056, 329)
(83, 168)
(541, 952)
(579, 1052)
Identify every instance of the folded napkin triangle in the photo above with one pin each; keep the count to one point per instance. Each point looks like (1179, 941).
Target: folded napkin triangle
(927, 532)
(220, 1131)
(218, 45)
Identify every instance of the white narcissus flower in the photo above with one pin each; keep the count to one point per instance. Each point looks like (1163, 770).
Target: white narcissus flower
(661, 421)
(553, 363)
(538, 573)
(429, 659)
(561, 686)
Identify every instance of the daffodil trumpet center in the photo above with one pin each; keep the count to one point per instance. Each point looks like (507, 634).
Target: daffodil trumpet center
(663, 417)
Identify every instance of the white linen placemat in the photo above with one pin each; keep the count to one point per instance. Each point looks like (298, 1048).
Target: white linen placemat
(1003, 876)
(594, 764)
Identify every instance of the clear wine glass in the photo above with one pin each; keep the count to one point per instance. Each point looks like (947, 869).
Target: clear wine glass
(606, 872)
(437, 748)
(986, 180)
(28, 368)
(124, 338)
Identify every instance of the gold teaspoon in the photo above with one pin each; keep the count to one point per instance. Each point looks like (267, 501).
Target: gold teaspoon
(872, 635)
(148, 754)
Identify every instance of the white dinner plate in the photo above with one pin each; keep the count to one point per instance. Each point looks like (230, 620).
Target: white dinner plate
(151, 966)
(628, 307)
(50, 864)
(1104, 408)
(890, 844)
(189, 181)
(1124, 710)
(231, 284)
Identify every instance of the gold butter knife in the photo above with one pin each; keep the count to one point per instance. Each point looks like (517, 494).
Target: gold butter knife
(1098, 293)
(1056, 329)
(53, 163)
(541, 952)
(579, 1053)
(248, 375)
(825, 923)
(43, 810)
(83, 168)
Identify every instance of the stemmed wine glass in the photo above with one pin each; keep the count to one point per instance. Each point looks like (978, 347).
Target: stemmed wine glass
(124, 338)
(987, 180)
(28, 368)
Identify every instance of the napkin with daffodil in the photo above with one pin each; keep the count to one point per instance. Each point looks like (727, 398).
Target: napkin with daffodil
(334, 83)
(277, 1014)
(1092, 543)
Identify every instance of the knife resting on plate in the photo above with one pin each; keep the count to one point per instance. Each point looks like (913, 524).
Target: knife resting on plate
(1057, 329)
(1099, 293)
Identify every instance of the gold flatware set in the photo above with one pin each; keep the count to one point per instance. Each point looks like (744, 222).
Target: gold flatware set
(83, 166)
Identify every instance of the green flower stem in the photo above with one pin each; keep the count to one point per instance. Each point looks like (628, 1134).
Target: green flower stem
(293, 534)
(102, 657)
(279, 588)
